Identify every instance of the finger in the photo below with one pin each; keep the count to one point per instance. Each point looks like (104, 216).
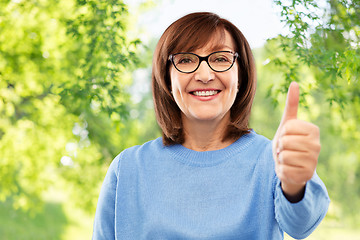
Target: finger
(292, 103)
(296, 143)
(294, 158)
(299, 127)
(290, 112)
(293, 175)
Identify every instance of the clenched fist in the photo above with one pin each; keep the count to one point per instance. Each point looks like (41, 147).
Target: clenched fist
(296, 148)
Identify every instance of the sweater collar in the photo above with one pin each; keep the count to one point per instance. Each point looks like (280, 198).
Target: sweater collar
(210, 158)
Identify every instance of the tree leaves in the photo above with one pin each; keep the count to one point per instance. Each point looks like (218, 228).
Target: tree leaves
(323, 39)
(63, 64)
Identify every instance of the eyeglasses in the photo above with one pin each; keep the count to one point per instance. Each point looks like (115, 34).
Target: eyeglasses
(220, 61)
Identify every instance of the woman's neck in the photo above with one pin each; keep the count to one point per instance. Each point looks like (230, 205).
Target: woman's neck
(206, 135)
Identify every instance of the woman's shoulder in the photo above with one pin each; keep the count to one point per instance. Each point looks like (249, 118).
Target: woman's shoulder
(152, 146)
(257, 139)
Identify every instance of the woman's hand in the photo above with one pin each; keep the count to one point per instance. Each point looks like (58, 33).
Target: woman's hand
(296, 148)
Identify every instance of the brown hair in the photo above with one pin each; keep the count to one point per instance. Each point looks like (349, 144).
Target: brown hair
(189, 33)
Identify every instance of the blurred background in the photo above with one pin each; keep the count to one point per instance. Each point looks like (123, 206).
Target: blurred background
(75, 91)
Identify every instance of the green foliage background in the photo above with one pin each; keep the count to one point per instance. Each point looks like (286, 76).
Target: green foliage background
(65, 67)
(74, 92)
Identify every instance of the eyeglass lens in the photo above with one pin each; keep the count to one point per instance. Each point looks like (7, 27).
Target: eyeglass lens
(189, 62)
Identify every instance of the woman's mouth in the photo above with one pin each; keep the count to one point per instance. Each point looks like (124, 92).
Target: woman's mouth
(205, 93)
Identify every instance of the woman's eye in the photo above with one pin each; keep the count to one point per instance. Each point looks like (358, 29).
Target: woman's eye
(185, 60)
(221, 59)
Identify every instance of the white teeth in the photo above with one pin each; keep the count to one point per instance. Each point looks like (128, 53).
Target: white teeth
(205, 93)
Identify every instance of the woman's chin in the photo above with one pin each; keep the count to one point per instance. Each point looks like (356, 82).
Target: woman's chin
(206, 117)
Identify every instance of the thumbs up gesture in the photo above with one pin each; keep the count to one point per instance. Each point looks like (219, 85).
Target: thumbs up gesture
(296, 148)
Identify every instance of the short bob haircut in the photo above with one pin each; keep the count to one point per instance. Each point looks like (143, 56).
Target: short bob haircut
(187, 34)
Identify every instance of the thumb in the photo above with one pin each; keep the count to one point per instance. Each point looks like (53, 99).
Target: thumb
(290, 112)
(292, 103)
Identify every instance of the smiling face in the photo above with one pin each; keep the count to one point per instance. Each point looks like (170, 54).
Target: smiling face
(206, 95)
(202, 33)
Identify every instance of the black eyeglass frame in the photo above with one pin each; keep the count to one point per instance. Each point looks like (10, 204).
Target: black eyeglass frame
(206, 59)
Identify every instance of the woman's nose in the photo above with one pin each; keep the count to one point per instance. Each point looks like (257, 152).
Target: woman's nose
(204, 73)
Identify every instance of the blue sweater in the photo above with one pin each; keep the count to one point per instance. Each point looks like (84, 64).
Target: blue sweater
(158, 192)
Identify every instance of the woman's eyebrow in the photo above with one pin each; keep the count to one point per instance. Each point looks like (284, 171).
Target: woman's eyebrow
(219, 47)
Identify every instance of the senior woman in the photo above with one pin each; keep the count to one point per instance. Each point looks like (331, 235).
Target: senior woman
(210, 176)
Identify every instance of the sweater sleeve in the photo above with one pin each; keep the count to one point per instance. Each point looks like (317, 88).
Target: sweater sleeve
(300, 219)
(104, 223)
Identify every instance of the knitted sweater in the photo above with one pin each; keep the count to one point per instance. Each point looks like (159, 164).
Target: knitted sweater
(171, 192)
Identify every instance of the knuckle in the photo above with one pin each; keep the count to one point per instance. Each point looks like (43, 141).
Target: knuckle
(290, 124)
(287, 127)
(293, 122)
(311, 160)
(283, 157)
(314, 144)
(308, 155)
(285, 141)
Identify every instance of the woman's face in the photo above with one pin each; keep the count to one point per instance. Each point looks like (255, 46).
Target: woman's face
(219, 88)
